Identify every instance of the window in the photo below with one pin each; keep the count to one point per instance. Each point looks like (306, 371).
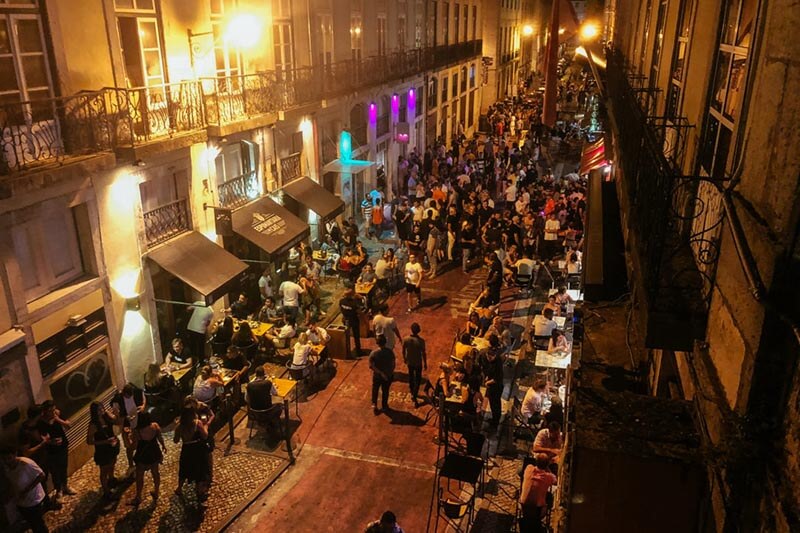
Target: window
(455, 85)
(355, 36)
(228, 60)
(465, 19)
(325, 23)
(444, 89)
(163, 189)
(433, 23)
(140, 41)
(418, 24)
(645, 35)
(446, 18)
(472, 76)
(48, 250)
(432, 83)
(474, 22)
(23, 64)
(402, 30)
(235, 160)
(728, 85)
(283, 47)
(457, 20)
(658, 43)
(382, 34)
(471, 111)
(283, 9)
(463, 79)
(683, 32)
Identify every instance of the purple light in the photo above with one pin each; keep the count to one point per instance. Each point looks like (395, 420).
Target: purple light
(373, 114)
(395, 104)
(412, 99)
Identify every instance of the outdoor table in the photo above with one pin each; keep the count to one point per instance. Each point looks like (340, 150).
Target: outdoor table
(179, 375)
(480, 344)
(285, 387)
(458, 394)
(461, 468)
(560, 321)
(552, 360)
(319, 256)
(364, 289)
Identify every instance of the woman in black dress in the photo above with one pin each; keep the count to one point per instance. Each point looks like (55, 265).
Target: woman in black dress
(193, 466)
(100, 434)
(149, 454)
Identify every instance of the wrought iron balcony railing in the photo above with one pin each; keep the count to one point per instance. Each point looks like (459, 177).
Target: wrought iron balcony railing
(143, 114)
(290, 168)
(165, 222)
(47, 131)
(663, 205)
(235, 98)
(238, 191)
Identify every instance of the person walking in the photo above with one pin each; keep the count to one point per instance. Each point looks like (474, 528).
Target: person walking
(385, 325)
(382, 363)
(415, 358)
(386, 524)
(149, 454)
(350, 304)
(193, 464)
(413, 276)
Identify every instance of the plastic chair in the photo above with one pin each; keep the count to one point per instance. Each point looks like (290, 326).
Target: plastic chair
(524, 282)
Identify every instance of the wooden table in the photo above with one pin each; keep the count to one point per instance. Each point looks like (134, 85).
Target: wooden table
(364, 289)
(454, 398)
(285, 387)
(319, 255)
(177, 375)
(552, 360)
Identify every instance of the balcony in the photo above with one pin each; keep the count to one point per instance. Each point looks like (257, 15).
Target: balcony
(669, 226)
(165, 222)
(290, 168)
(251, 98)
(41, 132)
(139, 116)
(238, 191)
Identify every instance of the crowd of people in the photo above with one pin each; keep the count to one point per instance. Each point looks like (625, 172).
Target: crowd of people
(490, 201)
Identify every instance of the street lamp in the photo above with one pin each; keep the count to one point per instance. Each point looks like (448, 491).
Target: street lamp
(589, 31)
(527, 30)
(242, 31)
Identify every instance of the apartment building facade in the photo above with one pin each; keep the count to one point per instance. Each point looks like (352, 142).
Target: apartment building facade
(705, 137)
(148, 153)
(502, 34)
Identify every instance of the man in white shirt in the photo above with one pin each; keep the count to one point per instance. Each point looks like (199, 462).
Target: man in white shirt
(196, 329)
(25, 479)
(413, 276)
(551, 229)
(385, 325)
(286, 332)
(316, 334)
(265, 285)
(543, 325)
(291, 292)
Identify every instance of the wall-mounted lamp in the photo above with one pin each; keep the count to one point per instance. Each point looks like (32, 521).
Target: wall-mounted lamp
(373, 114)
(133, 303)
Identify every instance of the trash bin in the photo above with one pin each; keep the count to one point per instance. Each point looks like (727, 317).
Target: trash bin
(339, 345)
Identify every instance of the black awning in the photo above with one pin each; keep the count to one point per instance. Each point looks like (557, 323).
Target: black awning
(269, 226)
(200, 263)
(315, 197)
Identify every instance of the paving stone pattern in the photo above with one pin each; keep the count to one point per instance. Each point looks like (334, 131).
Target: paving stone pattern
(237, 477)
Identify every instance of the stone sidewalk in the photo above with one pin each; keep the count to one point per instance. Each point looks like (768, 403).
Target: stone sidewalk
(239, 477)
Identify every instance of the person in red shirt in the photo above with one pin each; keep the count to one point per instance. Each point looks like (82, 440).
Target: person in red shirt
(536, 482)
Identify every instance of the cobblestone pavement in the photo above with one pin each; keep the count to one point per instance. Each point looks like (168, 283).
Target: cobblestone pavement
(498, 506)
(238, 477)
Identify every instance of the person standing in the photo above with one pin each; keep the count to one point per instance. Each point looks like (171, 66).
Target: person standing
(291, 291)
(381, 362)
(385, 325)
(492, 367)
(433, 248)
(149, 454)
(196, 329)
(350, 304)
(26, 479)
(100, 434)
(413, 276)
(193, 464)
(469, 239)
(52, 425)
(551, 229)
(127, 404)
(415, 358)
(494, 279)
